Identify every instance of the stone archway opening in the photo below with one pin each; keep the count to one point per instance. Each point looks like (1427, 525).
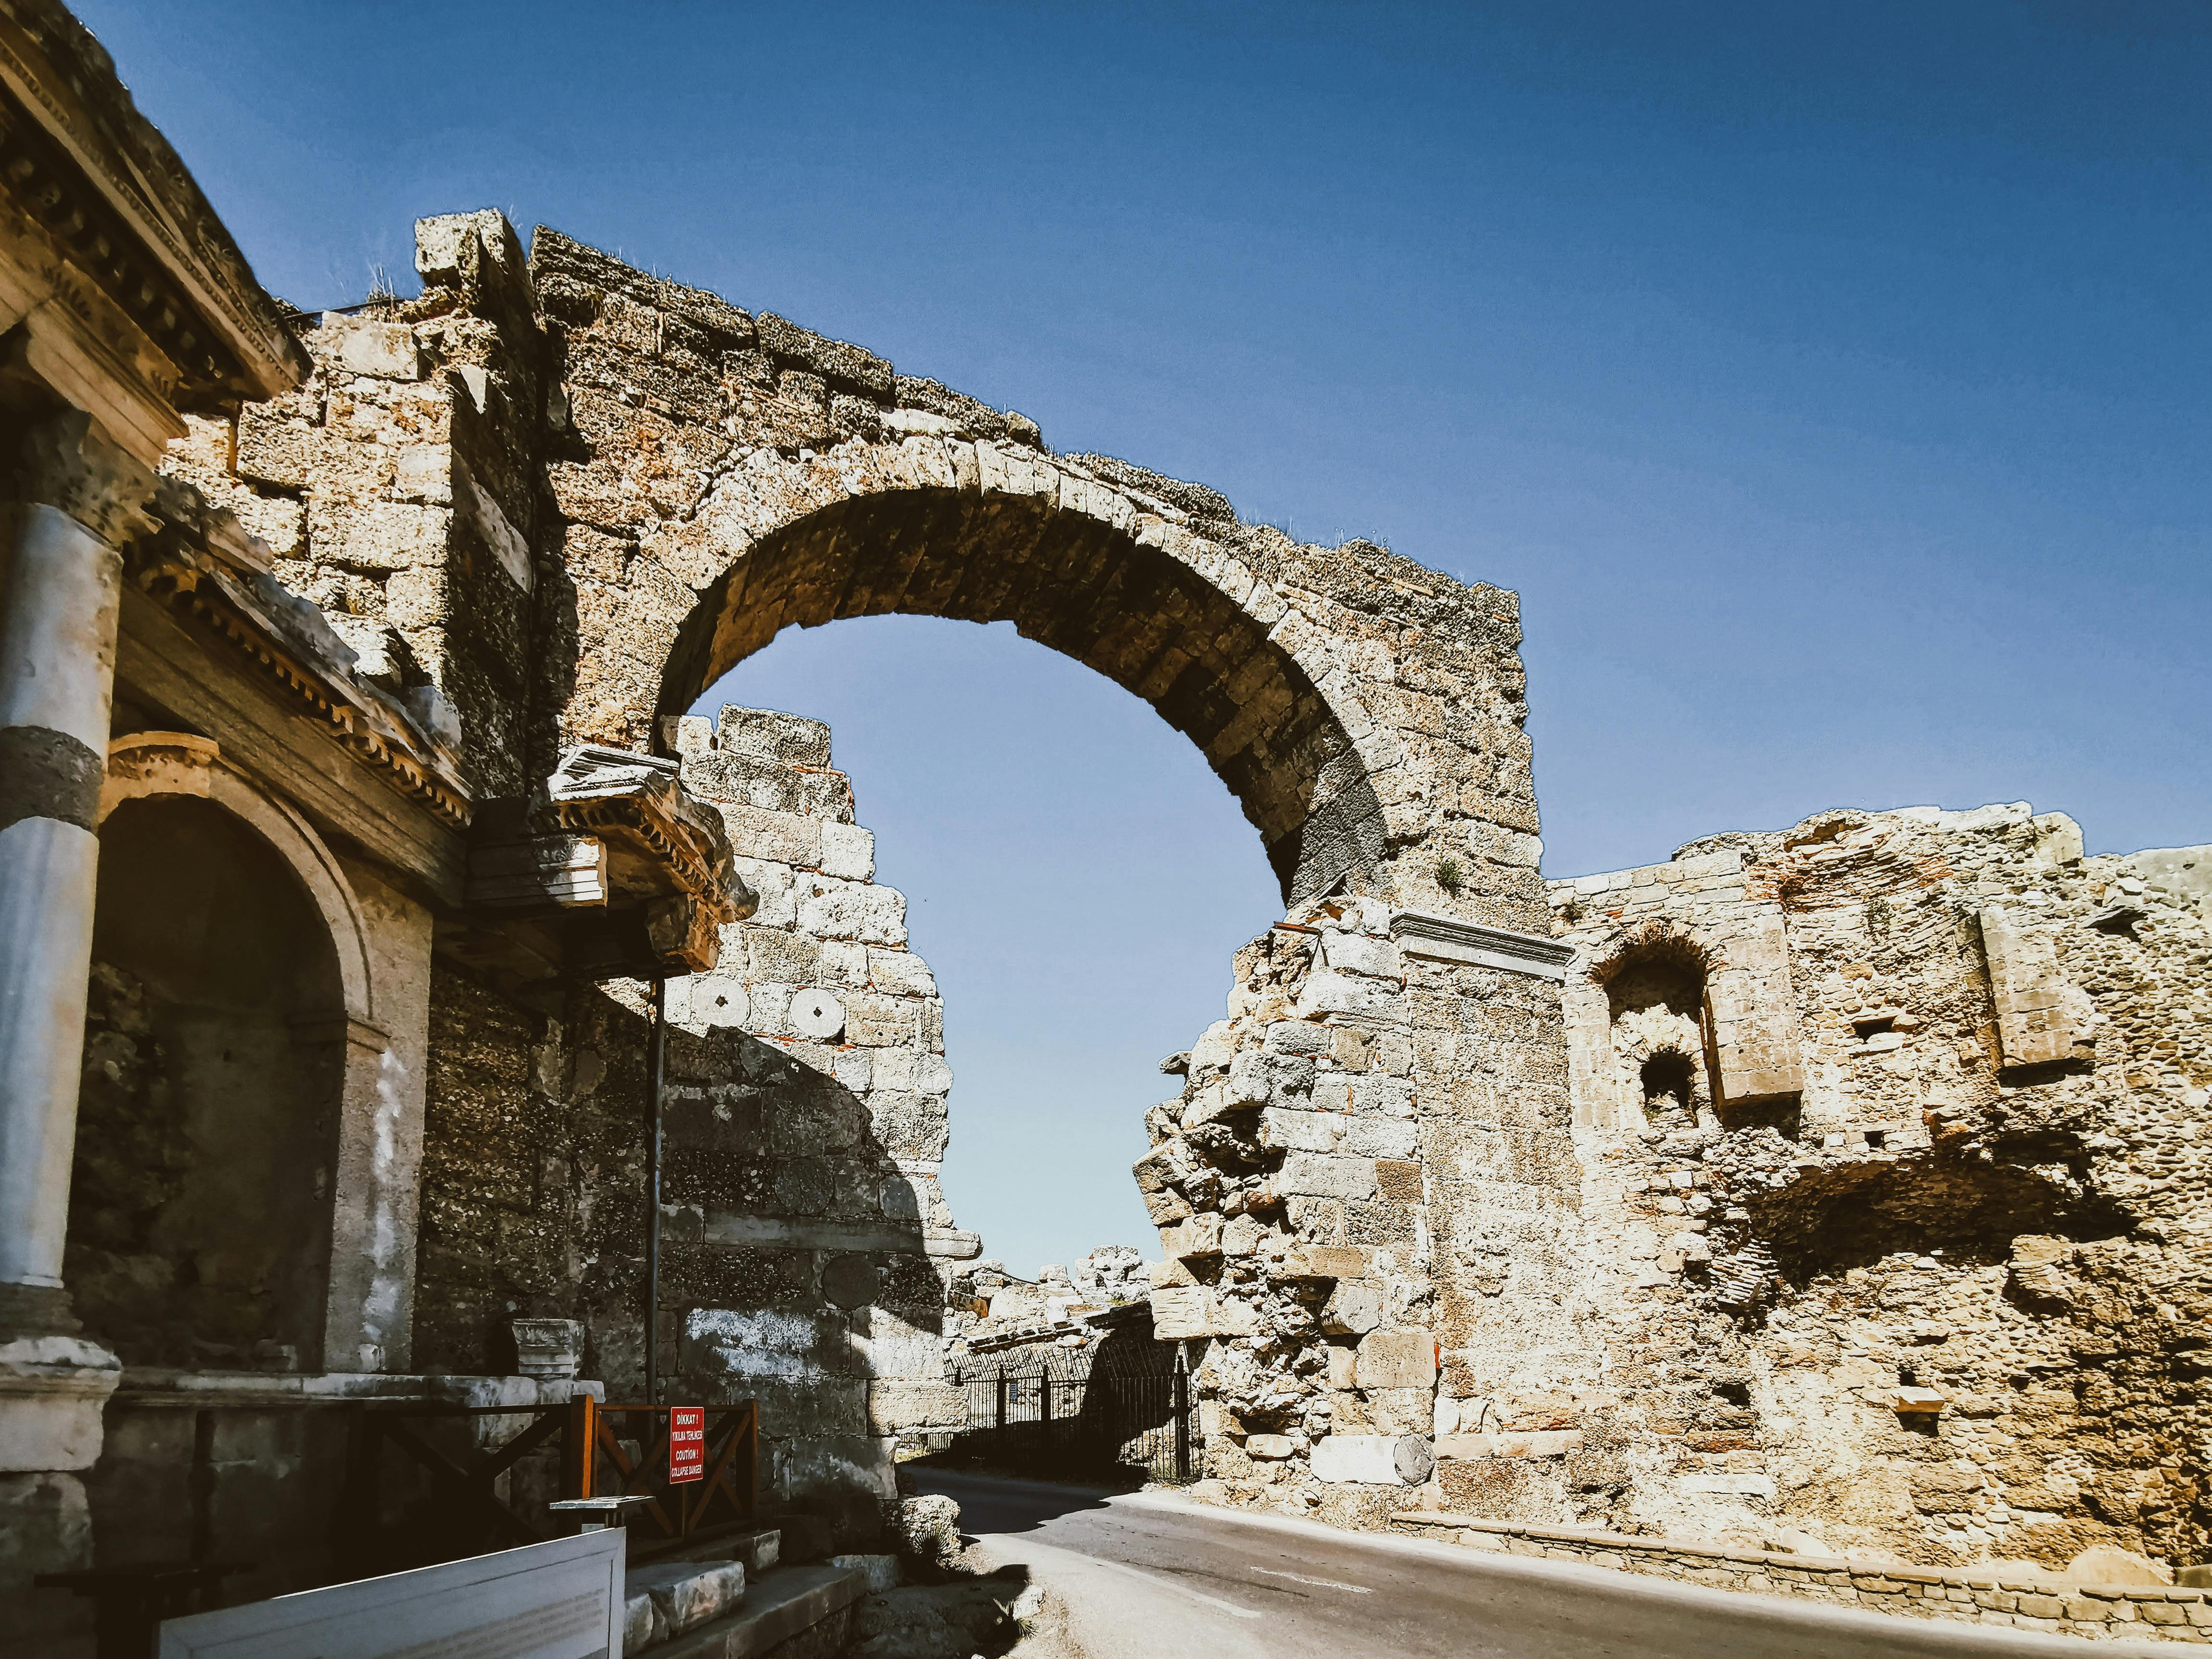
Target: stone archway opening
(215, 1069)
(1081, 585)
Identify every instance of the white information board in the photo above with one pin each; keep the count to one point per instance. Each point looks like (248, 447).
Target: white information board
(558, 1600)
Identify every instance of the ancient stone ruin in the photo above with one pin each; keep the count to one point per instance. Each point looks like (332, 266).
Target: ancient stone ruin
(1835, 1188)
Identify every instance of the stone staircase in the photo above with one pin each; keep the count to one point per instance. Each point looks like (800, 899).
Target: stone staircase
(730, 1597)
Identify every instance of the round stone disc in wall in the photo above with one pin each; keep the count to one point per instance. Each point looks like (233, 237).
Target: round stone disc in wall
(816, 1014)
(718, 1000)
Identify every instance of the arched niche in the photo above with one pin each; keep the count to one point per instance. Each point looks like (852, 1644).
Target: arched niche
(234, 1082)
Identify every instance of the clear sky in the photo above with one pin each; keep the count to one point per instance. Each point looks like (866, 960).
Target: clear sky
(1831, 381)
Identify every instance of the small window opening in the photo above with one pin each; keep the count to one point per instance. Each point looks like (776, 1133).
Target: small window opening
(1876, 1137)
(1874, 1026)
(1669, 1080)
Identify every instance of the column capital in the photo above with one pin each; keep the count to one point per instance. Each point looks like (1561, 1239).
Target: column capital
(63, 463)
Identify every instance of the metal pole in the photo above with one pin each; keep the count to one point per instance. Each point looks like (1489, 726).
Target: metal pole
(657, 1050)
(1181, 1420)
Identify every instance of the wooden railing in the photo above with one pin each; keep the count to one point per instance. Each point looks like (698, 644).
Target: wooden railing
(595, 1464)
(465, 1515)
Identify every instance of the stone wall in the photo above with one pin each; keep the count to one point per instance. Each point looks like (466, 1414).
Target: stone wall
(808, 1243)
(1369, 1166)
(1946, 1299)
(2009, 1599)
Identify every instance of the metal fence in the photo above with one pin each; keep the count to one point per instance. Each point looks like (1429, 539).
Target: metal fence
(1115, 1408)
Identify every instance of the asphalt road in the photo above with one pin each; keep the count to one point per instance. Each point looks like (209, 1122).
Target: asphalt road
(1151, 1575)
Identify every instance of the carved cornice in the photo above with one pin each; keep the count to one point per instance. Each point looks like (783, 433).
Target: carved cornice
(77, 154)
(1446, 939)
(661, 841)
(252, 624)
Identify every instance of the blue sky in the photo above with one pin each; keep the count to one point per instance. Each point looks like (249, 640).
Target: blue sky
(1830, 382)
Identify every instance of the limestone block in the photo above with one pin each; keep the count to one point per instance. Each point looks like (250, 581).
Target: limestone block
(1182, 1311)
(890, 1348)
(1319, 1175)
(1269, 1448)
(1233, 1317)
(273, 446)
(1296, 1131)
(388, 351)
(830, 908)
(1169, 1161)
(688, 1593)
(1165, 1207)
(900, 973)
(784, 837)
(1240, 1235)
(1208, 1103)
(1380, 1460)
(775, 953)
(2034, 1027)
(642, 1625)
(1193, 1239)
(1213, 1048)
(848, 851)
(1734, 1485)
(385, 536)
(1359, 953)
(52, 1391)
(897, 1406)
(1343, 1366)
(1384, 1095)
(1754, 1009)
(1354, 1308)
(766, 734)
(1327, 991)
(1325, 1261)
(1382, 1138)
(842, 961)
(1168, 1275)
(1397, 1359)
(1301, 1037)
(776, 886)
(1539, 1442)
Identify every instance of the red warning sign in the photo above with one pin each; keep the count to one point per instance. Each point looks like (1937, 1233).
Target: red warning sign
(687, 1443)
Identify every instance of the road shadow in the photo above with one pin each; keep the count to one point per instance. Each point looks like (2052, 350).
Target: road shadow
(999, 1504)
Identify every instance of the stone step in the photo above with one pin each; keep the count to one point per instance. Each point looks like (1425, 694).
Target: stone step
(787, 1603)
(678, 1589)
(758, 1547)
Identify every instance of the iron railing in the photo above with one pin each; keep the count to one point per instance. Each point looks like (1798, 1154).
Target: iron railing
(1083, 1411)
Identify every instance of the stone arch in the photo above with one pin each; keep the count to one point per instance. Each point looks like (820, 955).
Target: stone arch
(147, 763)
(1103, 574)
(369, 1293)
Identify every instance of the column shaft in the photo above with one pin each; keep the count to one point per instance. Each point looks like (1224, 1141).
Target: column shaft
(59, 594)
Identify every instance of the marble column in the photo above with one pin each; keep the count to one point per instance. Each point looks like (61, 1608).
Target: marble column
(71, 501)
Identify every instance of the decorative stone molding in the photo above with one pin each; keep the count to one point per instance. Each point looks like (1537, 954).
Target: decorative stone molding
(660, 842)
(110, 190)
(284, 641)
(1445, 938)
(157, 763)
(548, 1347)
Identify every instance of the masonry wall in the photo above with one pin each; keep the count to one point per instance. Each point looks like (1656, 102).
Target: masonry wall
(808, 1241)
(1985, 1205)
